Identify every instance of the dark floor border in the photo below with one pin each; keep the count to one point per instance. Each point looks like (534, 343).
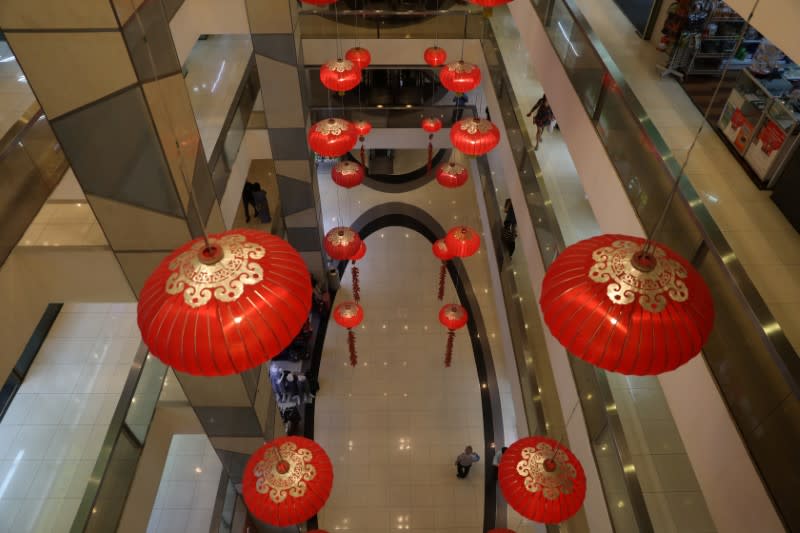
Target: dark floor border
(398, 183)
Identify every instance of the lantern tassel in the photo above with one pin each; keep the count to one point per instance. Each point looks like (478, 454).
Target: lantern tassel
(448, 353)
(363, 162)
(356, 286)
(351, 343)
(442, 274)
(430, 156)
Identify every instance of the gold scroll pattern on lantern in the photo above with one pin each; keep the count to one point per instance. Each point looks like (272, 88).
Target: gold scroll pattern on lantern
(460, 66)
(552, 483)
(475, 125)
(332, 126)
(346, 168)
(284, 474)
(340, 65)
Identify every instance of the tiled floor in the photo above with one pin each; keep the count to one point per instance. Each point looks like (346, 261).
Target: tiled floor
(51, 435)
(188, 488)
(15, 94)
(64, 224)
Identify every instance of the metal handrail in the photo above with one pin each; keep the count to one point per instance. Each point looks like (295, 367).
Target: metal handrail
(18, 130)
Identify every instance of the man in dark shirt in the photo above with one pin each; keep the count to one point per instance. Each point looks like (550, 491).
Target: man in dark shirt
(247, 199)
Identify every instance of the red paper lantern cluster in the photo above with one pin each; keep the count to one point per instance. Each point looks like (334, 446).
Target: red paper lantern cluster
(542, 480)
(443, 254)
(347, 174)
(435, 56)
(226, 308)
(460, 77)
(360, 57)
(474, 136)
(453, 317)
(452, 175)
(624, 309)
(462, 241)
(287, 481)
(349, 315)
(341, 243)
(332, 137)
(340, 75)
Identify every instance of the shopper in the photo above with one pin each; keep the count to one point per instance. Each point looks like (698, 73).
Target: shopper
(464, 462)
(247, 200)
(544, 117)
(509, 238)
(260, 203)
(496, 460)
(508, 209)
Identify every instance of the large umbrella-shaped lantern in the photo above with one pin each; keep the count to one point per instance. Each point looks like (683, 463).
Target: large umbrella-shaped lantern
(462, 241)
(332, 137)
(453, 317)
(340, 75)
(542, 480)
(452, 175)
(359, 255)
(625, 308)
(444, 255)
(474, 136)
(460, 77)
(435, 56)
(349, 315)
(362, 129)
(431, 125)
(341, 243)
(227, 307)
(360, 57)
(287, 481)
(347, 174)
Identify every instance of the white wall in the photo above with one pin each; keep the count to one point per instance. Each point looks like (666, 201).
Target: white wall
(778, 20)
(197, 17)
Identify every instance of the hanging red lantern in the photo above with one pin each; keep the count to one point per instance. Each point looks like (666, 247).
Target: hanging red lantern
(225, 308)
(435, 56)
(462, 241)
(347, 174)
(442, 253)
(460, 77)
(452, 175)
(431, 124)
(362, 128)
(362, 251)
(360, 57)
(340, 75)
(332, 137)
(474, 136)
(453, 317)
(624, 309)
(349, 315)
(487, 5)
(341, 243)
(287, 481)
(542, 480)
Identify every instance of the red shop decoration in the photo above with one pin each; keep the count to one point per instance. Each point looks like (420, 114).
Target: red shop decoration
(460, 77)
(347, 174)
(340, 75)
(452, 175)
(362, 251)
(443, 254)
(332, 137)
(360, 57)
(474, 136)
(542, 480)
(435, 56)
(624, 308)
(287, 481)
(341, 243)
(453, 317)
(362, 128)
(462, 241)
(225, 307)
(349, 315)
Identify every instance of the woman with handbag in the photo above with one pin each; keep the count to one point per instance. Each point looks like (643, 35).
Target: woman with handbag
(544, 117)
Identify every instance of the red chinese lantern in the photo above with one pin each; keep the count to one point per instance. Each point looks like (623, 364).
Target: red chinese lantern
(362, 251)
(362, 128)
(347, 174)
(349, 315)
(453, 317)
(431, 125)
(542, 480)
(341, 243)
(340, 75)
(474, 136)
(442, 253)
(624, 309)
(460, 77)
(487, 5)
(435, 56)
(287, 481)
(462, 241)
(332, 137)
(360, 57)
(225, 308)
(452, 175)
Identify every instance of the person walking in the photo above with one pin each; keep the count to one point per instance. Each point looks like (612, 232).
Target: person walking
(460, 100)
(496, 460)
(509, 238)
(464, 462)
(508, 209)
(247, 200)
(544, 117)
(260, 203)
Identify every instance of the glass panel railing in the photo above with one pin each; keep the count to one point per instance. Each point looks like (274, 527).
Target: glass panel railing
(396, 117)
(358, 24)
(752, 361)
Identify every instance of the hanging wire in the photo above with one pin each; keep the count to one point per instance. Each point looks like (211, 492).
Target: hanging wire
(339, 53)
(649, 245)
